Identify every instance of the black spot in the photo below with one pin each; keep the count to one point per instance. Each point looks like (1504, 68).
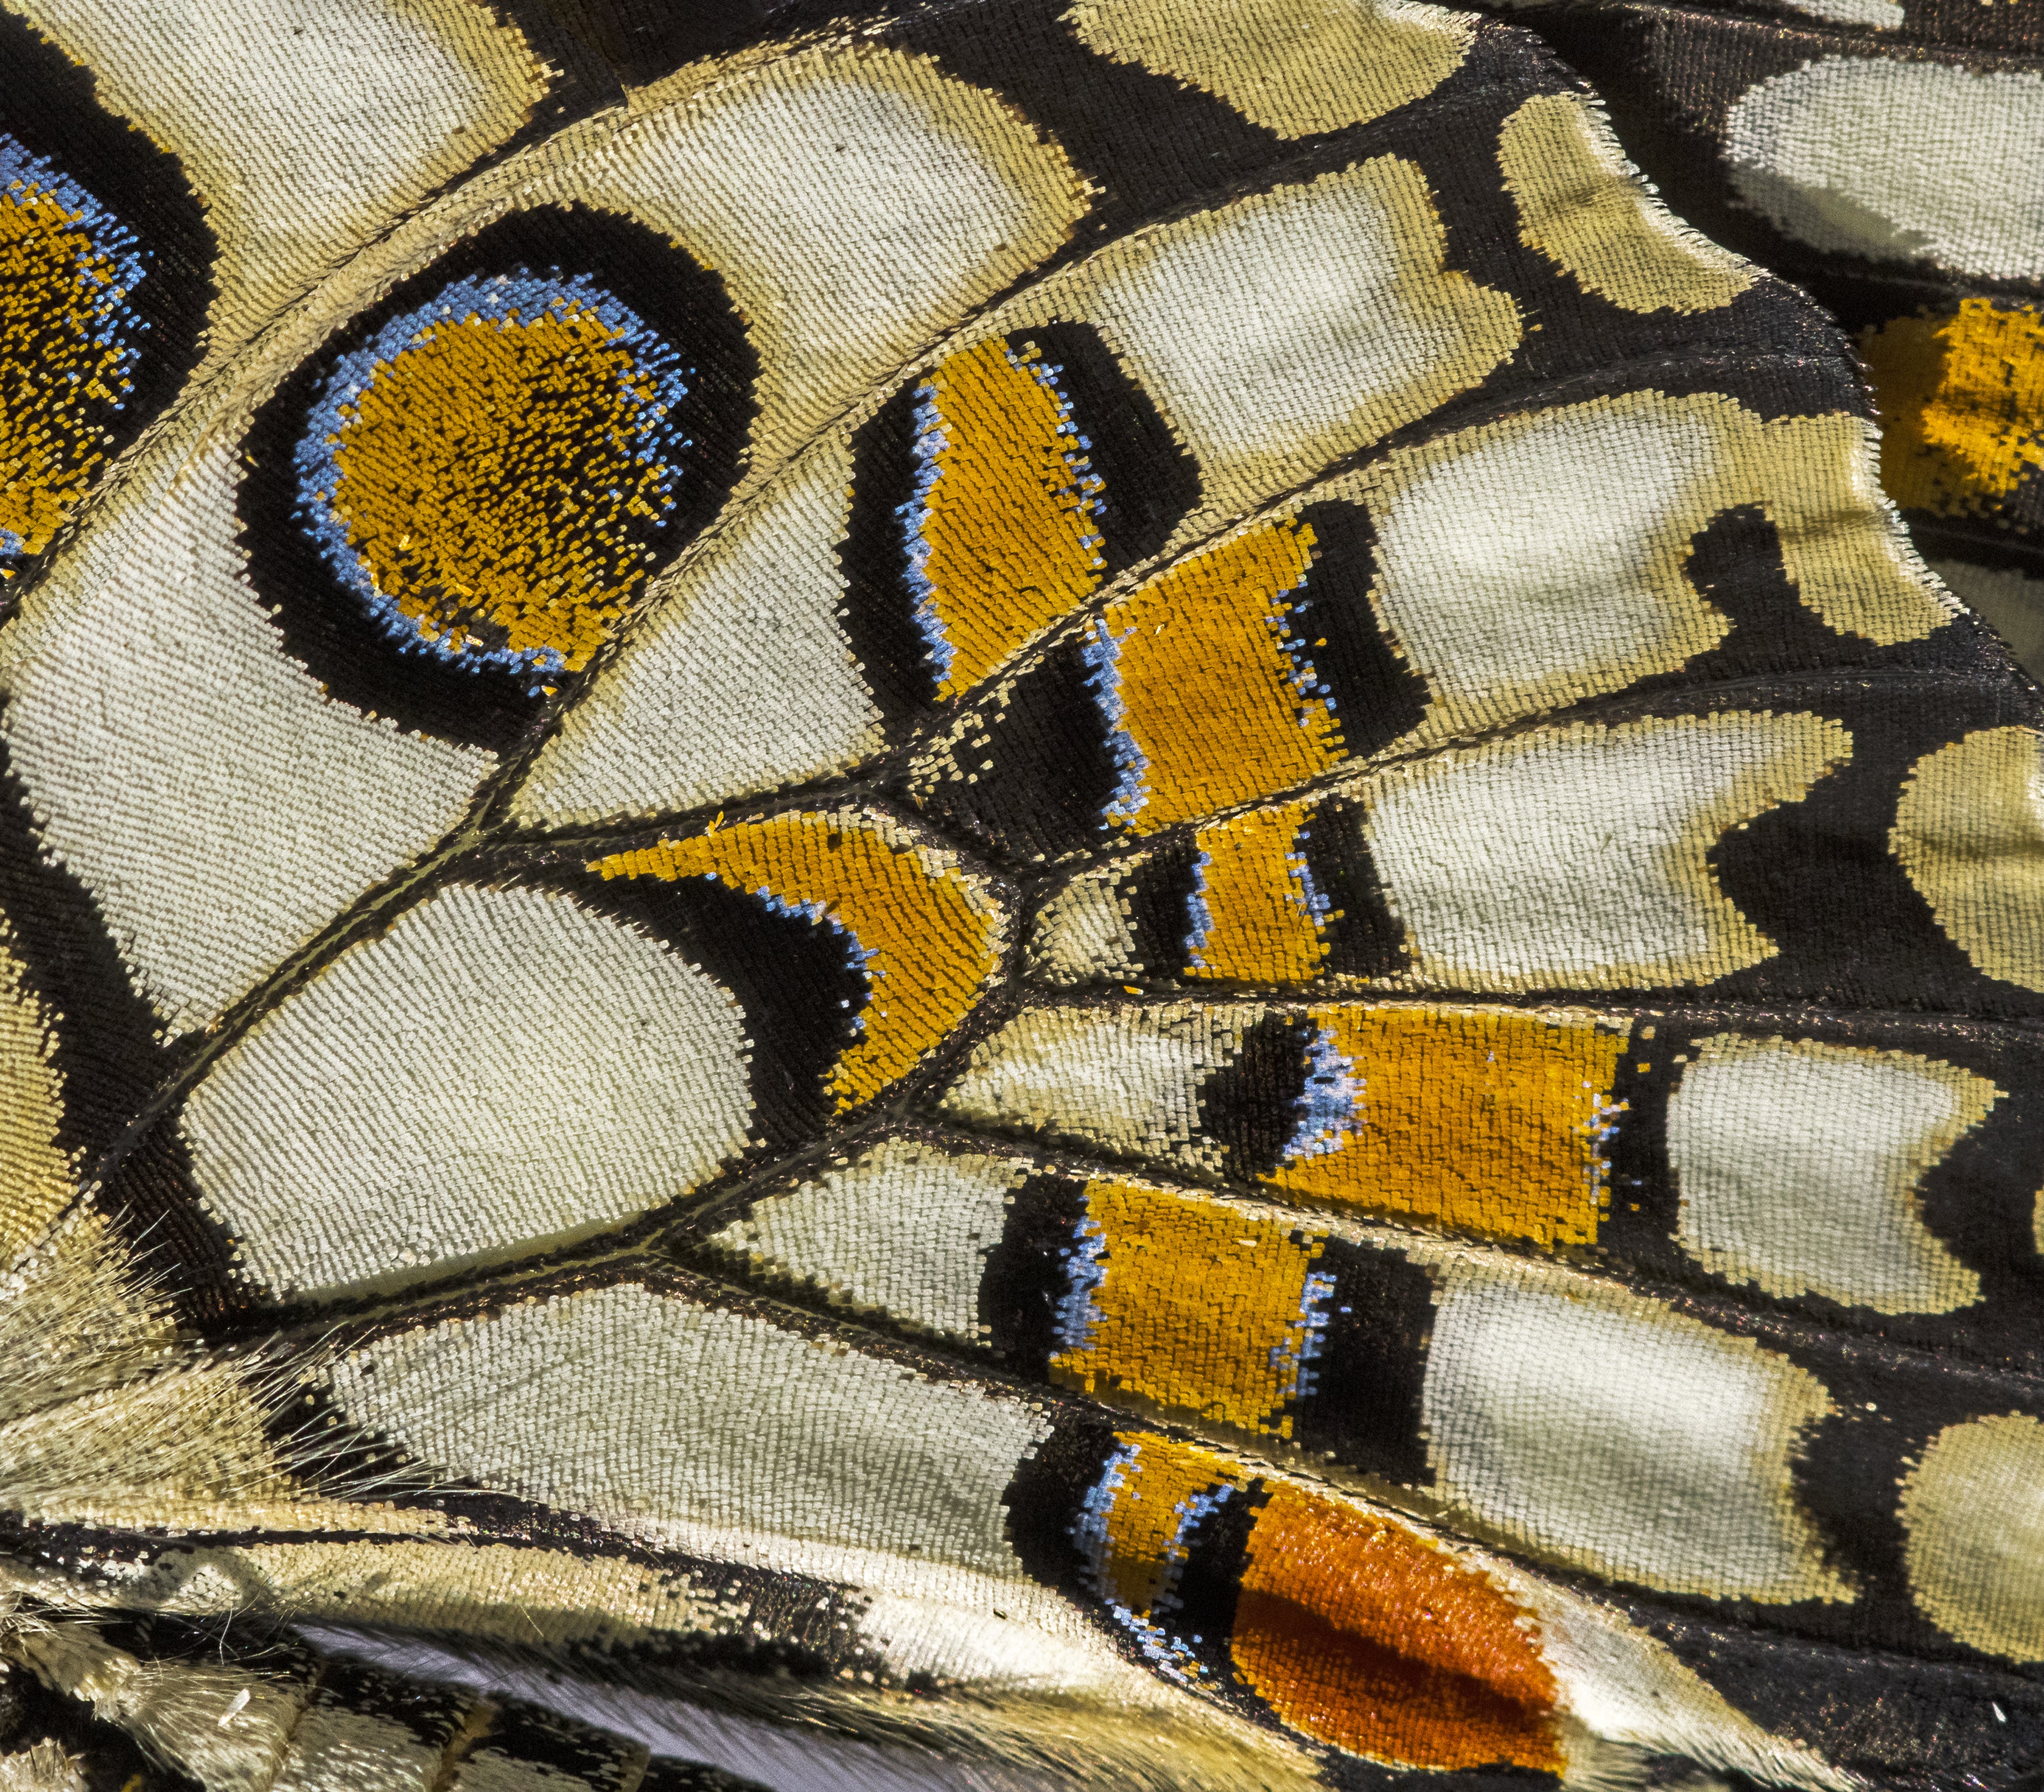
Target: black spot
(1028, 1273)
(1148, 480)
(1044, 1499)
(1250, 1106)
(1159, 892)
(1364, 1407)
(1364, 939)
(1201, 1609)
(1053, 773)
(1377, 696)
(879, 613)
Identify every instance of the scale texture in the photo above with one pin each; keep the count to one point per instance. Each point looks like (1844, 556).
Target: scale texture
(1017, 895)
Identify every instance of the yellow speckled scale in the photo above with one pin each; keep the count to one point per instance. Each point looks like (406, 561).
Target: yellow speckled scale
(1151, 1505)
(487, 473)
(57, 357)
(1961, 395)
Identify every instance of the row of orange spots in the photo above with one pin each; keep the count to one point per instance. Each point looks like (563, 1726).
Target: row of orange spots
(1353, 1628)
(1006, 528)
(489, 477)
(931, 938)
(1490, 1121)
(1960, 396)
(1260, 925)
(1209, 696)
(1201, 1308)
(61, 360)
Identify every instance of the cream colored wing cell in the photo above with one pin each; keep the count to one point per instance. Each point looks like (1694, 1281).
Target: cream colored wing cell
(1367, 329)
(1509, 596)
(904, 1228)
(1866, 155)
(817, 183)
(1579, 857)
(219, 806)
(1800, 1169)
(669, 1420)
(740, 680)
(1603, 1430)
(545, 1071)
(306, 128)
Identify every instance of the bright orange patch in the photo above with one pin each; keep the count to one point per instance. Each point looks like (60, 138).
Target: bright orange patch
(1363, 1634)
(933, 938)
(1485, 1121)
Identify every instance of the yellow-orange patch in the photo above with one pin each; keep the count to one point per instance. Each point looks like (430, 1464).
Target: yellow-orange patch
(489, 477)
(1210, 697)
(1201, 1308)
(1259, 926)
(1486, 1121)
(1007, 533)
(1960, 397)
(1151, 1507)
(59, 363)
(931, 939)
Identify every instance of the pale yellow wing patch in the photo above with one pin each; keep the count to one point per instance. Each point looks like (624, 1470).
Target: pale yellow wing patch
(1970, 831)
(1296, 70)
(1586, 208)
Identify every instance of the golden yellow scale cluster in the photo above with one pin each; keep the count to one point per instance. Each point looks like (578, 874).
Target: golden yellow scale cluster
(1201, 1309)
(1210, 696)
(927, 938)
(1261, 925)
(60, 364)
(489, 477)
(1007, 535)
(1961, 395)
(1488, 1122)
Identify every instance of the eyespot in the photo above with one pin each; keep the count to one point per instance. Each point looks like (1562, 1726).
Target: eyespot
(456, 502)
(105, 250)
(490, 472)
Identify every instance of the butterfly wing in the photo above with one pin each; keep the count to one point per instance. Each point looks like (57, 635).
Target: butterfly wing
(1087, 887)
